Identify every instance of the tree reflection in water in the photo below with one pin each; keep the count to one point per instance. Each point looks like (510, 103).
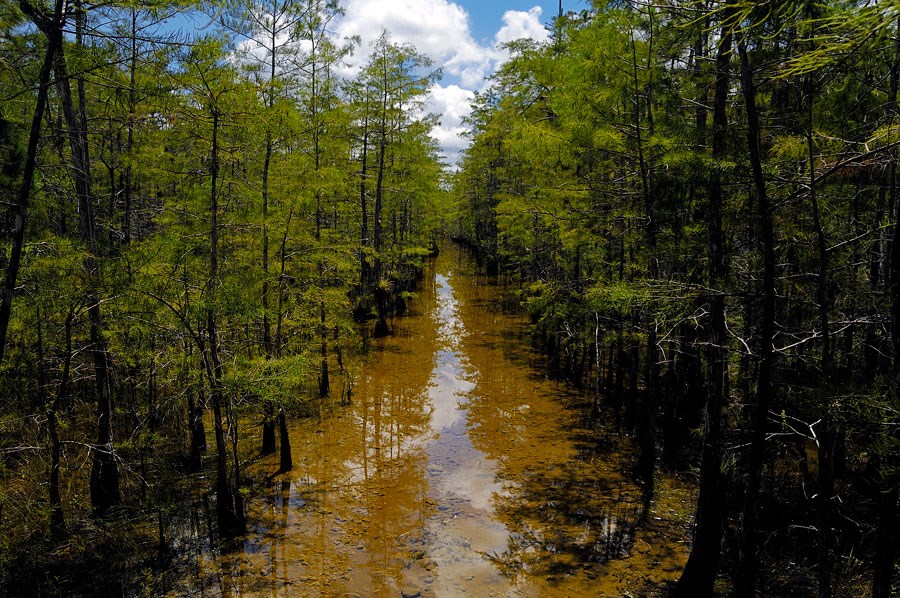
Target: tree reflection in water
(459, 467)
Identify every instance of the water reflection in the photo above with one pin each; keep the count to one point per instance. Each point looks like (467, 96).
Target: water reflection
(463, 481)
(458, 469)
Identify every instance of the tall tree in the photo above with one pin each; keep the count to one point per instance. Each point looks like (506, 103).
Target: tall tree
(703, 563)
(317, 93)
(749, 553)
(394, 82)
(211, 82)
(270, 30)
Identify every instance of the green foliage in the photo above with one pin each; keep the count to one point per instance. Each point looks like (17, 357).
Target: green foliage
(617, 298)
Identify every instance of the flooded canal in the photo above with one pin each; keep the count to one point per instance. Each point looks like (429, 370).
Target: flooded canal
(458, 469)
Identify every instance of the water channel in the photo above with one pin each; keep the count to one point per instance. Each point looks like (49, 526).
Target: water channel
(458, 469)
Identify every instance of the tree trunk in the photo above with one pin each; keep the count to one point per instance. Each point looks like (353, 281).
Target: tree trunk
(885, 543)
(646, 424)
(885, 551)
(381, 327)
(702, 566)
(128, 190)
(286, 460)
(748, 554)
(195, 403)
(104, 481)
(268, 424)
(324, 383)
(279, 321)
(364, 274)
(229, 518)
(824, 498)
(826, 438)
(196, 430)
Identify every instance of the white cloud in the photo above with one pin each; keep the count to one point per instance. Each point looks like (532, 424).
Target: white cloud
(439, 29)
(518, 25)
(453, 104)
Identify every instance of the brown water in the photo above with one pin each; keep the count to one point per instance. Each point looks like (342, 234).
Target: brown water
(459, 469)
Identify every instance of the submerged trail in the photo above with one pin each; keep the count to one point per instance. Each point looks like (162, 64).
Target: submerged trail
(459, 468)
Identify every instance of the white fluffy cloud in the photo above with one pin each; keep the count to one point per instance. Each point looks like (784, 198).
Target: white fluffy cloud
(452, 103)
(437, 28)
(518, 24)
(440, 29)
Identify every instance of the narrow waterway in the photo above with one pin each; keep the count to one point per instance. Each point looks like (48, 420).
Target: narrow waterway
(458, 469)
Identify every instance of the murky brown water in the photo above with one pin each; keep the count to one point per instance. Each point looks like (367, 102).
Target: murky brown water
(459, 469)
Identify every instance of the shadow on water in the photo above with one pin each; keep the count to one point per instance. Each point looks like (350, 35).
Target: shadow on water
(459, 468)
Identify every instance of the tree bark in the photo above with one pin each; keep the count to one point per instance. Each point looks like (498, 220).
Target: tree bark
(268, 425)
(324, 383)
(279, 321)
(364, 275)
(128, 190)
(826, 437)
(381, 327)
(748, 554)
(104, 480)
(646, 463)
(195, 403)
(700, 572)
(885, 551)
(230, 519)
(286, 461)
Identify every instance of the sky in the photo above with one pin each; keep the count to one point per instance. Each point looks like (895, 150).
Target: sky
(462, 38)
